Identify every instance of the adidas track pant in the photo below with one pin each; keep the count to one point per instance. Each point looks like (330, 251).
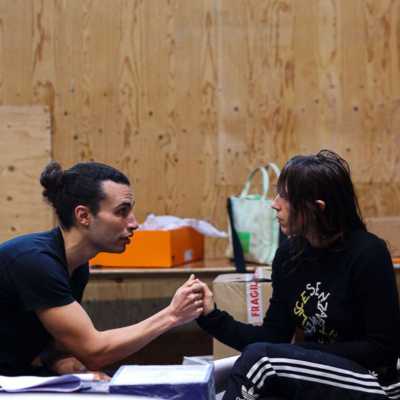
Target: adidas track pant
(290, 372)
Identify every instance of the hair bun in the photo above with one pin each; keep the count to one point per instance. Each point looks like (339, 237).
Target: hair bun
(52, 180)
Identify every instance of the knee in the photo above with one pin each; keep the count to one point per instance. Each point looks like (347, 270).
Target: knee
(252, 354)
(264, 348)
(255, 349)
(256, 353)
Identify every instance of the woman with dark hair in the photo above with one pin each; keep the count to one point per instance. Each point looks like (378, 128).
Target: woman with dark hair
(44, 329)
(332, 329)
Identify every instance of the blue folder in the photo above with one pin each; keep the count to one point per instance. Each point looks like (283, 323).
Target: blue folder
(177, 382)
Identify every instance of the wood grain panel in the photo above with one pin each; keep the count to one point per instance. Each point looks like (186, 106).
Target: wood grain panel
(212, 205)
(256, 75)
(68, 38)
(187, 97)
(127, 146)
(17, 61)
(25, 144)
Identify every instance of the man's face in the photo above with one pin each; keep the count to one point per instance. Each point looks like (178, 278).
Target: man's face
(112, 227)
(282, 208)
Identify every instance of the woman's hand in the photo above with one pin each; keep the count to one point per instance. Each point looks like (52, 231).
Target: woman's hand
(208, 299)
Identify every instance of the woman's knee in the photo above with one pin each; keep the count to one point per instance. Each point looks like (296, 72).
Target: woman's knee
(252, 354)
(261, 353)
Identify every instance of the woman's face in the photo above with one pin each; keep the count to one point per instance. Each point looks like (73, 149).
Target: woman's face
(282, 207)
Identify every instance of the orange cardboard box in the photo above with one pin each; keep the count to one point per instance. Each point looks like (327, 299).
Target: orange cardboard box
(160, 249)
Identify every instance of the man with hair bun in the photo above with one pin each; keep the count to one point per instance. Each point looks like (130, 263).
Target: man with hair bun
(44, 328)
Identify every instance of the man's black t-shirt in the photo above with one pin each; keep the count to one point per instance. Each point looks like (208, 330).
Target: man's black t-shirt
(33, 275)
(344, 299)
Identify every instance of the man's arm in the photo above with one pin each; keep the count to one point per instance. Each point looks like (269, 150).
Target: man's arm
(72, 327)
(59, 361)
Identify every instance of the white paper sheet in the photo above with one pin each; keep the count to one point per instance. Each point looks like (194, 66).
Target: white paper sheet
(168, 222)
(63, 383)
(164, 374)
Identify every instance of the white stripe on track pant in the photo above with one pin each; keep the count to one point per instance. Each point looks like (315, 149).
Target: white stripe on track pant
(292, 372)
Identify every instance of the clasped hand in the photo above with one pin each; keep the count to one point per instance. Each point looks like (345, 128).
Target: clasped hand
(191, 300)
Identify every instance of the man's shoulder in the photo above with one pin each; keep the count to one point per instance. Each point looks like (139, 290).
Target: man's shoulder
(30, 240)
(30, 245)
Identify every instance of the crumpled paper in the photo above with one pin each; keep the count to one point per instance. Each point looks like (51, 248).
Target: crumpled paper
(167, 222)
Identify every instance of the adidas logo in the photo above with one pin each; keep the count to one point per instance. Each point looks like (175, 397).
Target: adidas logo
(248, 394)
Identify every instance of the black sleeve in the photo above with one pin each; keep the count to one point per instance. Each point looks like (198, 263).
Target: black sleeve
(41, 281)
(376, 297)
(277, 326)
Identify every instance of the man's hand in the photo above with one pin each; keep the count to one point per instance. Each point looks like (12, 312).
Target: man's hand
(56, 359)
(187, 303)
(67, 365)
(71, 365)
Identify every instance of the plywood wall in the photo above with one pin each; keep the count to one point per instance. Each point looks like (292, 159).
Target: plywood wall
(188, 96)
(25, 148)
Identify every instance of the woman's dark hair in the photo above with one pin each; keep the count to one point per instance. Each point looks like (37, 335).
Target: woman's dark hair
(324, 176)
(79, 185)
